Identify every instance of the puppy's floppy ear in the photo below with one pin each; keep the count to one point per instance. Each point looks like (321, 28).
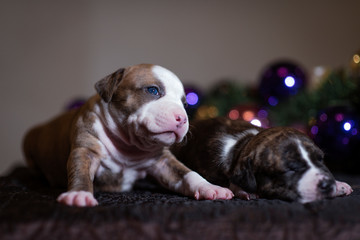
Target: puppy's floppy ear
(245, 178)
(107, 86)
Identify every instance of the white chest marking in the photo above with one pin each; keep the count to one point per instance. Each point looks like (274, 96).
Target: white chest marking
(109, 152)
(130, 176)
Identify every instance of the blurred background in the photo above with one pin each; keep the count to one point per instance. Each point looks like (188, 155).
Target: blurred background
(52, 52)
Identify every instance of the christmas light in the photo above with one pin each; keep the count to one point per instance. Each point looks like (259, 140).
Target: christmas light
(356, 58)
(234, 114)
(289, 81)
(256, 122)
(248, 116)
(192, 98)
(273, 101)
(347, 126)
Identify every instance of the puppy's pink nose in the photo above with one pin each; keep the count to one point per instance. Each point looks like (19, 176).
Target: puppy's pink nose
(181, 120)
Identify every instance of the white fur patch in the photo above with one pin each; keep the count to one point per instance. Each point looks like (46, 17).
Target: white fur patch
(308, 184)
(172, 83)
(109, 152)
(129, 178)
(190, 179)
(193, 178)
(229, 142)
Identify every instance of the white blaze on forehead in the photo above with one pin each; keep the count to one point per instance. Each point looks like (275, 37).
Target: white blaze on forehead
(172, 84)
(305, 155)
(308, 184)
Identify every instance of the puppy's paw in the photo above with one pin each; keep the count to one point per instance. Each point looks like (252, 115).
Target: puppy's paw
(78, 199)
(239, 193)
(196, 186)
(343, 189)
(245, 195)
(208, 191)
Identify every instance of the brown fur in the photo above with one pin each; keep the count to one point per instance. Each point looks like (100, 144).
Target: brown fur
(268, 163)
(103, 144)
(47, 147)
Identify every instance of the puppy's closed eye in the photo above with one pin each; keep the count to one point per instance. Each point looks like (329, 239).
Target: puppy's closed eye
(295, 165)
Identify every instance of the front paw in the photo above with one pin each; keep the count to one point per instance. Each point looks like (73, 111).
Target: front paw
(208, 191)
(199, 188)
(245, 195)
(78, 199)
(343, 189)
(240, 193)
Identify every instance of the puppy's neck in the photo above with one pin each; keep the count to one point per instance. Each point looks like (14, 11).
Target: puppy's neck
(122, 137)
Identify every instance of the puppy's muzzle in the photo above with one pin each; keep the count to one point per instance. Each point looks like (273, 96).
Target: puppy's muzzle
(326, 186)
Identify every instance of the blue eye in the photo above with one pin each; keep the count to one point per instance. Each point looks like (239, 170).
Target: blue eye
(153, 90)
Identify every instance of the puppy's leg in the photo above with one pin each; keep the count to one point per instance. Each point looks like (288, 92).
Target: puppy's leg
(175, 176)
(342, 189)
(82, 165)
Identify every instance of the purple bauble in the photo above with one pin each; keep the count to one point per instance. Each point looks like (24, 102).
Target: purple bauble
(193, 99)
(280, 80)
(337, 132)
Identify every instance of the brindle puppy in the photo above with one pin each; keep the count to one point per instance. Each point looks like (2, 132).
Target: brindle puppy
(277, 162)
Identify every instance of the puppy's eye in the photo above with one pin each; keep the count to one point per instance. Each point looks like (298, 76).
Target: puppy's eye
(153, 90)
(295, 166)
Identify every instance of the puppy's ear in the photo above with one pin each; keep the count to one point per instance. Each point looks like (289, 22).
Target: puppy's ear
(245, 178)
(107, 86)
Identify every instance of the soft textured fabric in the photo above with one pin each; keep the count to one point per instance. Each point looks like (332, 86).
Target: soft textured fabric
(28, 210)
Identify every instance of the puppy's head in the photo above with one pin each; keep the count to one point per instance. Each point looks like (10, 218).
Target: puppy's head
(147, 102)
(288, 165)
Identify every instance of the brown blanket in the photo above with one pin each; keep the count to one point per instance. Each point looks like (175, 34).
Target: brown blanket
(28, 210)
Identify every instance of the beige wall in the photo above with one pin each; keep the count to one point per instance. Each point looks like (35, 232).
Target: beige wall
(53, 51)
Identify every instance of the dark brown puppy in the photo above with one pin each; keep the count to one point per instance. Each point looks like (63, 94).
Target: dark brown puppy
(271, 163)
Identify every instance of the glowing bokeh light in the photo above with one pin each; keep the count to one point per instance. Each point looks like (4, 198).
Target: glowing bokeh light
(256, 122)
(248, 116)
(339, 117)
(262, 113)
(289, 81)
(354, 131)
(323, 117)
(319, 71)
(356, 58)
(314, 130)
(192, 98)
(212, 111)
(347, 126)
(234, 114)
(273, 101)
